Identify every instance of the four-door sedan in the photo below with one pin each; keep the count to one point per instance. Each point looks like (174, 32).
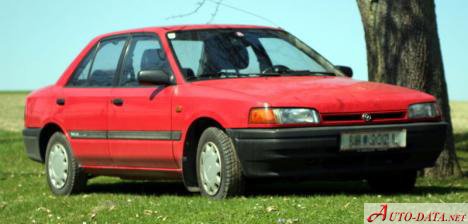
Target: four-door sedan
(217, 105)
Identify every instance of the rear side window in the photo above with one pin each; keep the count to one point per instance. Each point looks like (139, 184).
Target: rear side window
(105, 62)
(99, 68)
(80, 77)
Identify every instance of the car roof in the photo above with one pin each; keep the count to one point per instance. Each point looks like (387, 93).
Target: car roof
(165, 29)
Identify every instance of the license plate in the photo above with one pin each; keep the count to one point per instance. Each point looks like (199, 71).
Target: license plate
(373, 141)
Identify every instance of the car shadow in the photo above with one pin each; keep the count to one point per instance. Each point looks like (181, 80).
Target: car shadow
(356, 188)
(461, 139)
(139, 188)
(309, 188)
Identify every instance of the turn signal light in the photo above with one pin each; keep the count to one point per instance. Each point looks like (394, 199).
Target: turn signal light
(262, 116)
(283, 116)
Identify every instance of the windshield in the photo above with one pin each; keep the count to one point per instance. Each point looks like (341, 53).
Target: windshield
(231, 53)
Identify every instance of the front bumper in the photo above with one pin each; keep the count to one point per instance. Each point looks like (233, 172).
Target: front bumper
(314, 152)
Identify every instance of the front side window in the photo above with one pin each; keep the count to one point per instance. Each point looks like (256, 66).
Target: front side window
(230, 53)
(144, 53)
(99, 67)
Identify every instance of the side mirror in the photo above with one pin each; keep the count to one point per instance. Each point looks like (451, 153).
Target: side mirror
(345, 70)
(156, 77)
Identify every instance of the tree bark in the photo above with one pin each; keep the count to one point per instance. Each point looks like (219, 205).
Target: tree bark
(403, 48)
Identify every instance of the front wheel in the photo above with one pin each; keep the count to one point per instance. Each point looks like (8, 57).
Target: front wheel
(62, 171)
(218, 167)
(393, 182)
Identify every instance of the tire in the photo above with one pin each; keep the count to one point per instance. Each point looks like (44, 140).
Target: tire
(63, 174)
(219, 170)
(394, 182)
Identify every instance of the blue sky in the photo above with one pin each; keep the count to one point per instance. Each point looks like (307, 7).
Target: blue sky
(40, 38)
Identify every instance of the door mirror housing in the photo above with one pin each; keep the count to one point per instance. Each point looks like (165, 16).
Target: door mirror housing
(347, 71)
(156, 77)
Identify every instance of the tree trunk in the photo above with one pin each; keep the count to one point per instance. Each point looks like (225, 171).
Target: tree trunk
(403, 48)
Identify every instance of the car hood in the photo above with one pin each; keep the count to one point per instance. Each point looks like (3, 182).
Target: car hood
(327, 94)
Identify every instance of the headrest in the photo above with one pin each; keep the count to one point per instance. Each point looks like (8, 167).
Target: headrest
(153, 59)
(101, 78)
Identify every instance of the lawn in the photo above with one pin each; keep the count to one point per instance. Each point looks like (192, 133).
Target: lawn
(25, 198)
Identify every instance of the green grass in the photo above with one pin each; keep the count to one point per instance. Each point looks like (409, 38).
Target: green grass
(460, 127)
(459, 117)
(12, 110)
(25, 198)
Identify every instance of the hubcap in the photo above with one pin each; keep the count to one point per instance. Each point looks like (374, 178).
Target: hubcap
(58, 166)
(210, 168)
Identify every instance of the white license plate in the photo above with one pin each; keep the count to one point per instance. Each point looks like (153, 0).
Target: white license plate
(375, 140)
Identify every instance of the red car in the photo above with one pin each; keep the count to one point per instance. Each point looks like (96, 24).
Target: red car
(217, 105)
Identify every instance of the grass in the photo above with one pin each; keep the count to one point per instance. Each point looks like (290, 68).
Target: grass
(460, 127)
(460, 117)
(12, 110)
(25, 198)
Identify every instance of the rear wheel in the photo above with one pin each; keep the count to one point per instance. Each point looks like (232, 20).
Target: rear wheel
(62, 171)
(394, 182)
(218, 167)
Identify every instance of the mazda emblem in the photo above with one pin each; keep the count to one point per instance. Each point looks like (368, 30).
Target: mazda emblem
(366, 117)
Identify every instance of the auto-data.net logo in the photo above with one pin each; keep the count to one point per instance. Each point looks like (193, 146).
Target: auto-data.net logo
(415, 213)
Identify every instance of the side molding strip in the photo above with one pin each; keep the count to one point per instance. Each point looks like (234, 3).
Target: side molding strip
(88, 134)
(127, 135)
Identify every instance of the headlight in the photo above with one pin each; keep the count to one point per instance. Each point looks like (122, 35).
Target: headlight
(423, 110)
(283, 116)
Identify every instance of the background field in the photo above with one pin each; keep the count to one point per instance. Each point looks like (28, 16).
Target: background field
(25, 198)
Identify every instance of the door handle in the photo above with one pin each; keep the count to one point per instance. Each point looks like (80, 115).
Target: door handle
(117, 102)
(60, 101)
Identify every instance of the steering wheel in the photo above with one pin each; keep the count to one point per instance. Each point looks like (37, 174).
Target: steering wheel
(277, 69)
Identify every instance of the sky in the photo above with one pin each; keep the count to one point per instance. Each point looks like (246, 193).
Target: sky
(39, 38)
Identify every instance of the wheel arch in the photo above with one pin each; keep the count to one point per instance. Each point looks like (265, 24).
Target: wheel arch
(46, 132)
(192, 137)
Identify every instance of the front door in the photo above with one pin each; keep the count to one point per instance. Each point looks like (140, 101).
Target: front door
(140, 115)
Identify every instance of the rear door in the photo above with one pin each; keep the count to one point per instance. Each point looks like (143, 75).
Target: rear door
(85, 100)
(140, 115)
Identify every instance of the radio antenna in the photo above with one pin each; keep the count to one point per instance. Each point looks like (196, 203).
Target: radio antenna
(244, 11)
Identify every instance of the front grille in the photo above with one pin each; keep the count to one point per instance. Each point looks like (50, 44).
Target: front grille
(357, 117)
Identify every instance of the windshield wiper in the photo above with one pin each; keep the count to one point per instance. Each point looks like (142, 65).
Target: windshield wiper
(307, 72)
(217, 75)
(220, 75)
(268, 74)
(295, 73)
